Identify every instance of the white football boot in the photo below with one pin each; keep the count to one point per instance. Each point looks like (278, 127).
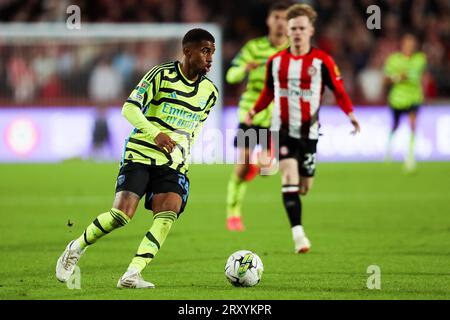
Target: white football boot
(302, 244)
(67, 261)
(132, 279)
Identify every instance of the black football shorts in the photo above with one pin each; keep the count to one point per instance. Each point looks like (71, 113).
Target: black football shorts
(149, 180)
(303, 150)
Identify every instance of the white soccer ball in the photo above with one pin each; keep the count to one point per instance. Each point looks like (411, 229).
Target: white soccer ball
(244, 269)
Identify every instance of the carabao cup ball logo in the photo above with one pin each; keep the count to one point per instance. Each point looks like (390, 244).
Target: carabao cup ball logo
(245, 264)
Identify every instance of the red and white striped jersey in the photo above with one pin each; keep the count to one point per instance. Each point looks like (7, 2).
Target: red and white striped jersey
(296, 84)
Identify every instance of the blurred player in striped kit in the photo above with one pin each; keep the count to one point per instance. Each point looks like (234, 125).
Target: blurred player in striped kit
(250, 61)
(404, 71)
(295, 80)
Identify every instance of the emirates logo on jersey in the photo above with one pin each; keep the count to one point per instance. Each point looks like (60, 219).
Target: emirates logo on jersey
(312, 70)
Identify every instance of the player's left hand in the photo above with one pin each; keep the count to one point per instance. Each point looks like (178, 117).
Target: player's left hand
(356, 127)
(355, 123)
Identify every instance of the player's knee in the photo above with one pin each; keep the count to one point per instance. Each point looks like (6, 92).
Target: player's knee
(129, 211)
(126, 208)
(167, 203)
(126, 202)
(288, 179)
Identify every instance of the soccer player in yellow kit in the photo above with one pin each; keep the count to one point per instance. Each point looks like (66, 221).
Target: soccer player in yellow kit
(404, 71)
(250, 61)
(167, 109)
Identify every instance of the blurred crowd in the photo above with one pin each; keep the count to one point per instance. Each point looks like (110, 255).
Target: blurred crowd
(60, 71)
(86, 72)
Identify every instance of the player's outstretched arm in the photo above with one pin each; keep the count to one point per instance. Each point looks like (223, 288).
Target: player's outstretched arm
(243, 63)
(237, 73)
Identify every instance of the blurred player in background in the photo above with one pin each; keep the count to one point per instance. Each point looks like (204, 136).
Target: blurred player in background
(101, 139)
(251, 61)
(295, 80)
(167, 109)
(404, 71)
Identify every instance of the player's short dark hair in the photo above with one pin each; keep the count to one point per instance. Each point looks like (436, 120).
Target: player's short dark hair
(197, 35)
(278, 6)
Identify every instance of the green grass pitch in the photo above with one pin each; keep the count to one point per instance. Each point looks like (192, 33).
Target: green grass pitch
(357, 215)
